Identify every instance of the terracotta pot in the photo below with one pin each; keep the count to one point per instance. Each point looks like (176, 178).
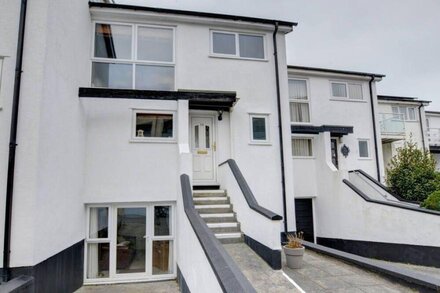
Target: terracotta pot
(294, 257)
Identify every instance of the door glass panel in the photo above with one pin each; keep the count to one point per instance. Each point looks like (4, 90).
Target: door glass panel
(196, 136)
(98, 223)
(130, 240)
(98, 255)
(207, 136)
(162, 257)
(161, 220)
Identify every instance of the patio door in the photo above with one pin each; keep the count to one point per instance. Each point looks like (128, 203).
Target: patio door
(130, 243)
(203, 148)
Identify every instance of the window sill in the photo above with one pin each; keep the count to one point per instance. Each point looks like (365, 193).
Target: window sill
(303, 158)
(260, 143)
(347, 100)
(365, 159)
(236, 58)
(152, 140)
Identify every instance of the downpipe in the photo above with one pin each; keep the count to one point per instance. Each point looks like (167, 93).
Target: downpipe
(373, 114)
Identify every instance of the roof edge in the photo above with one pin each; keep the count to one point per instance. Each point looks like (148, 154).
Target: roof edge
(329, 70)
(194, 13)
(401, 99)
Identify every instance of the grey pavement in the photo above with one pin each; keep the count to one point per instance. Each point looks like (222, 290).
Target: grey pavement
(156, 287)
(321, 273)
(259, 273)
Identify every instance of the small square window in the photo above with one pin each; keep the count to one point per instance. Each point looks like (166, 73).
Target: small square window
(302, 147)
(411, 114)
(223, 43)
(259, 129)
(339, 90)
(113, 41)
(154, 125)
(364, 149)
(355, 91)
(251, 46)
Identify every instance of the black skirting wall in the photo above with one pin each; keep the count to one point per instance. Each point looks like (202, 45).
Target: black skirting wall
(61, 273)
(406, 253)
(271, 257)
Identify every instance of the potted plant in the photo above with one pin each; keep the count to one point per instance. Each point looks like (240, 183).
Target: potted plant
(294, 250)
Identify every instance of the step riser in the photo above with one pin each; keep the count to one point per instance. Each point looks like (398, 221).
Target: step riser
(226, 230)
(211, 202)
(208, 194)
(220, 220)
(215, 210)
(231, 240)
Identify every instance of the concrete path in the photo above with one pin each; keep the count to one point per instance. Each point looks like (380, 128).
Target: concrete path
(156, 287)
(326, 274)
(258, 272)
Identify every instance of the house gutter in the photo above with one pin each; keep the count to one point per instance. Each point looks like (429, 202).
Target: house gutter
(280, 129)
(373, 114)
(421, 127)
(13, 142)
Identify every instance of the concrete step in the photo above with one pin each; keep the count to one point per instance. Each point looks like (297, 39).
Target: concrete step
(209, 193)
(227, 238)
(214, 209)
(219, 228)
(211, 200)
(219, 217)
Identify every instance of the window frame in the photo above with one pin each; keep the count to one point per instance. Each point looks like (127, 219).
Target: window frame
(134, 138)
(267, 129)
(367, 140)
(133, 61)
(148, 275)
(312, 142)
(405, 116)
(301, 101)
(237, 45)
(347, 98)
(2, 64)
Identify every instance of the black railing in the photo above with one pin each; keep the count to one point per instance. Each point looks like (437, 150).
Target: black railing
(247, 192)
(228, 274)
(388, 203)
(387, 189)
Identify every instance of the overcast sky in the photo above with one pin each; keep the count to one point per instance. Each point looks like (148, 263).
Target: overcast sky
(399, 38)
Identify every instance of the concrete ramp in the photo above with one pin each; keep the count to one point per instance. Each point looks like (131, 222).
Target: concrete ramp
(257, 271)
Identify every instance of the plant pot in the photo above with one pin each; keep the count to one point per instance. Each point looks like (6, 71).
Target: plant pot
(294, 257)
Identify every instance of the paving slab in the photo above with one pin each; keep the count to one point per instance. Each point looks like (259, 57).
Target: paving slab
(156, 287)
(322, 273)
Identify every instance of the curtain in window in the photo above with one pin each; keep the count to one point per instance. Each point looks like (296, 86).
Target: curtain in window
(355, 91)
(297, 89)
(339, 90)
(302, 147)
(299, 112)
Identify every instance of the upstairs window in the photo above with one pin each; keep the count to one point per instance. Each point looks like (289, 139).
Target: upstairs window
(133, 57)
(404, 113)
(347, 90)
(299, 101)
(237, 45)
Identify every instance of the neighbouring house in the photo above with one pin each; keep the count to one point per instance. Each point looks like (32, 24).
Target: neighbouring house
(401, 119)
(433, 134)
(136, 140)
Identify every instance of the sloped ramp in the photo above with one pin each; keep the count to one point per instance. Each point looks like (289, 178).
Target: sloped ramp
(258, 272)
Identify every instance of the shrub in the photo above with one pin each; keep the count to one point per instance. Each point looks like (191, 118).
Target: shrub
(432, 202)
(411, 173)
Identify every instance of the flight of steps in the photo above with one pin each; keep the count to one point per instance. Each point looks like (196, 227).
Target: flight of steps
(215, 208)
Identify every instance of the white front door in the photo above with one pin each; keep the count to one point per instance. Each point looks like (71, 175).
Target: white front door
(203, 148)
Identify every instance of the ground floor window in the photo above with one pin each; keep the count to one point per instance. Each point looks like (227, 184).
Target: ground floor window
(302, 147)
(129, 242)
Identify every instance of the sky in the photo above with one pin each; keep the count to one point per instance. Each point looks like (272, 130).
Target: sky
(398, 38)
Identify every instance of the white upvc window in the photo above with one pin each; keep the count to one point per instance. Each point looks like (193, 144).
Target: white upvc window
(299, 101)
(154, 126)
(133, 56)
(346, 90)
(126, 242)
(238, 45)
(405, 113)
(364, 148)
(302, 147)
(259, 128)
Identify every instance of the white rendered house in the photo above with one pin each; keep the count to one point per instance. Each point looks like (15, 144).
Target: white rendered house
(433, 134)
(401, 119)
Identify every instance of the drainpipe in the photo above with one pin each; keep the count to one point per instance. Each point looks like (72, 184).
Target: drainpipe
(280, 129)
(421, 127)
(373, 114)
(13, 143)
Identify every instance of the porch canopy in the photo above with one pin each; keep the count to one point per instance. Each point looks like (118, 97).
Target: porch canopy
(199, 100)
(335, 130)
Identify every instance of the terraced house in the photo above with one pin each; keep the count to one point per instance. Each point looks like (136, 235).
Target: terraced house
(135, 141)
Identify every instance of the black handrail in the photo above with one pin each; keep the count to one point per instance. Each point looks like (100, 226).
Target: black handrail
(388, 203)
(365, 174)
(247, 192)
(228, 274)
